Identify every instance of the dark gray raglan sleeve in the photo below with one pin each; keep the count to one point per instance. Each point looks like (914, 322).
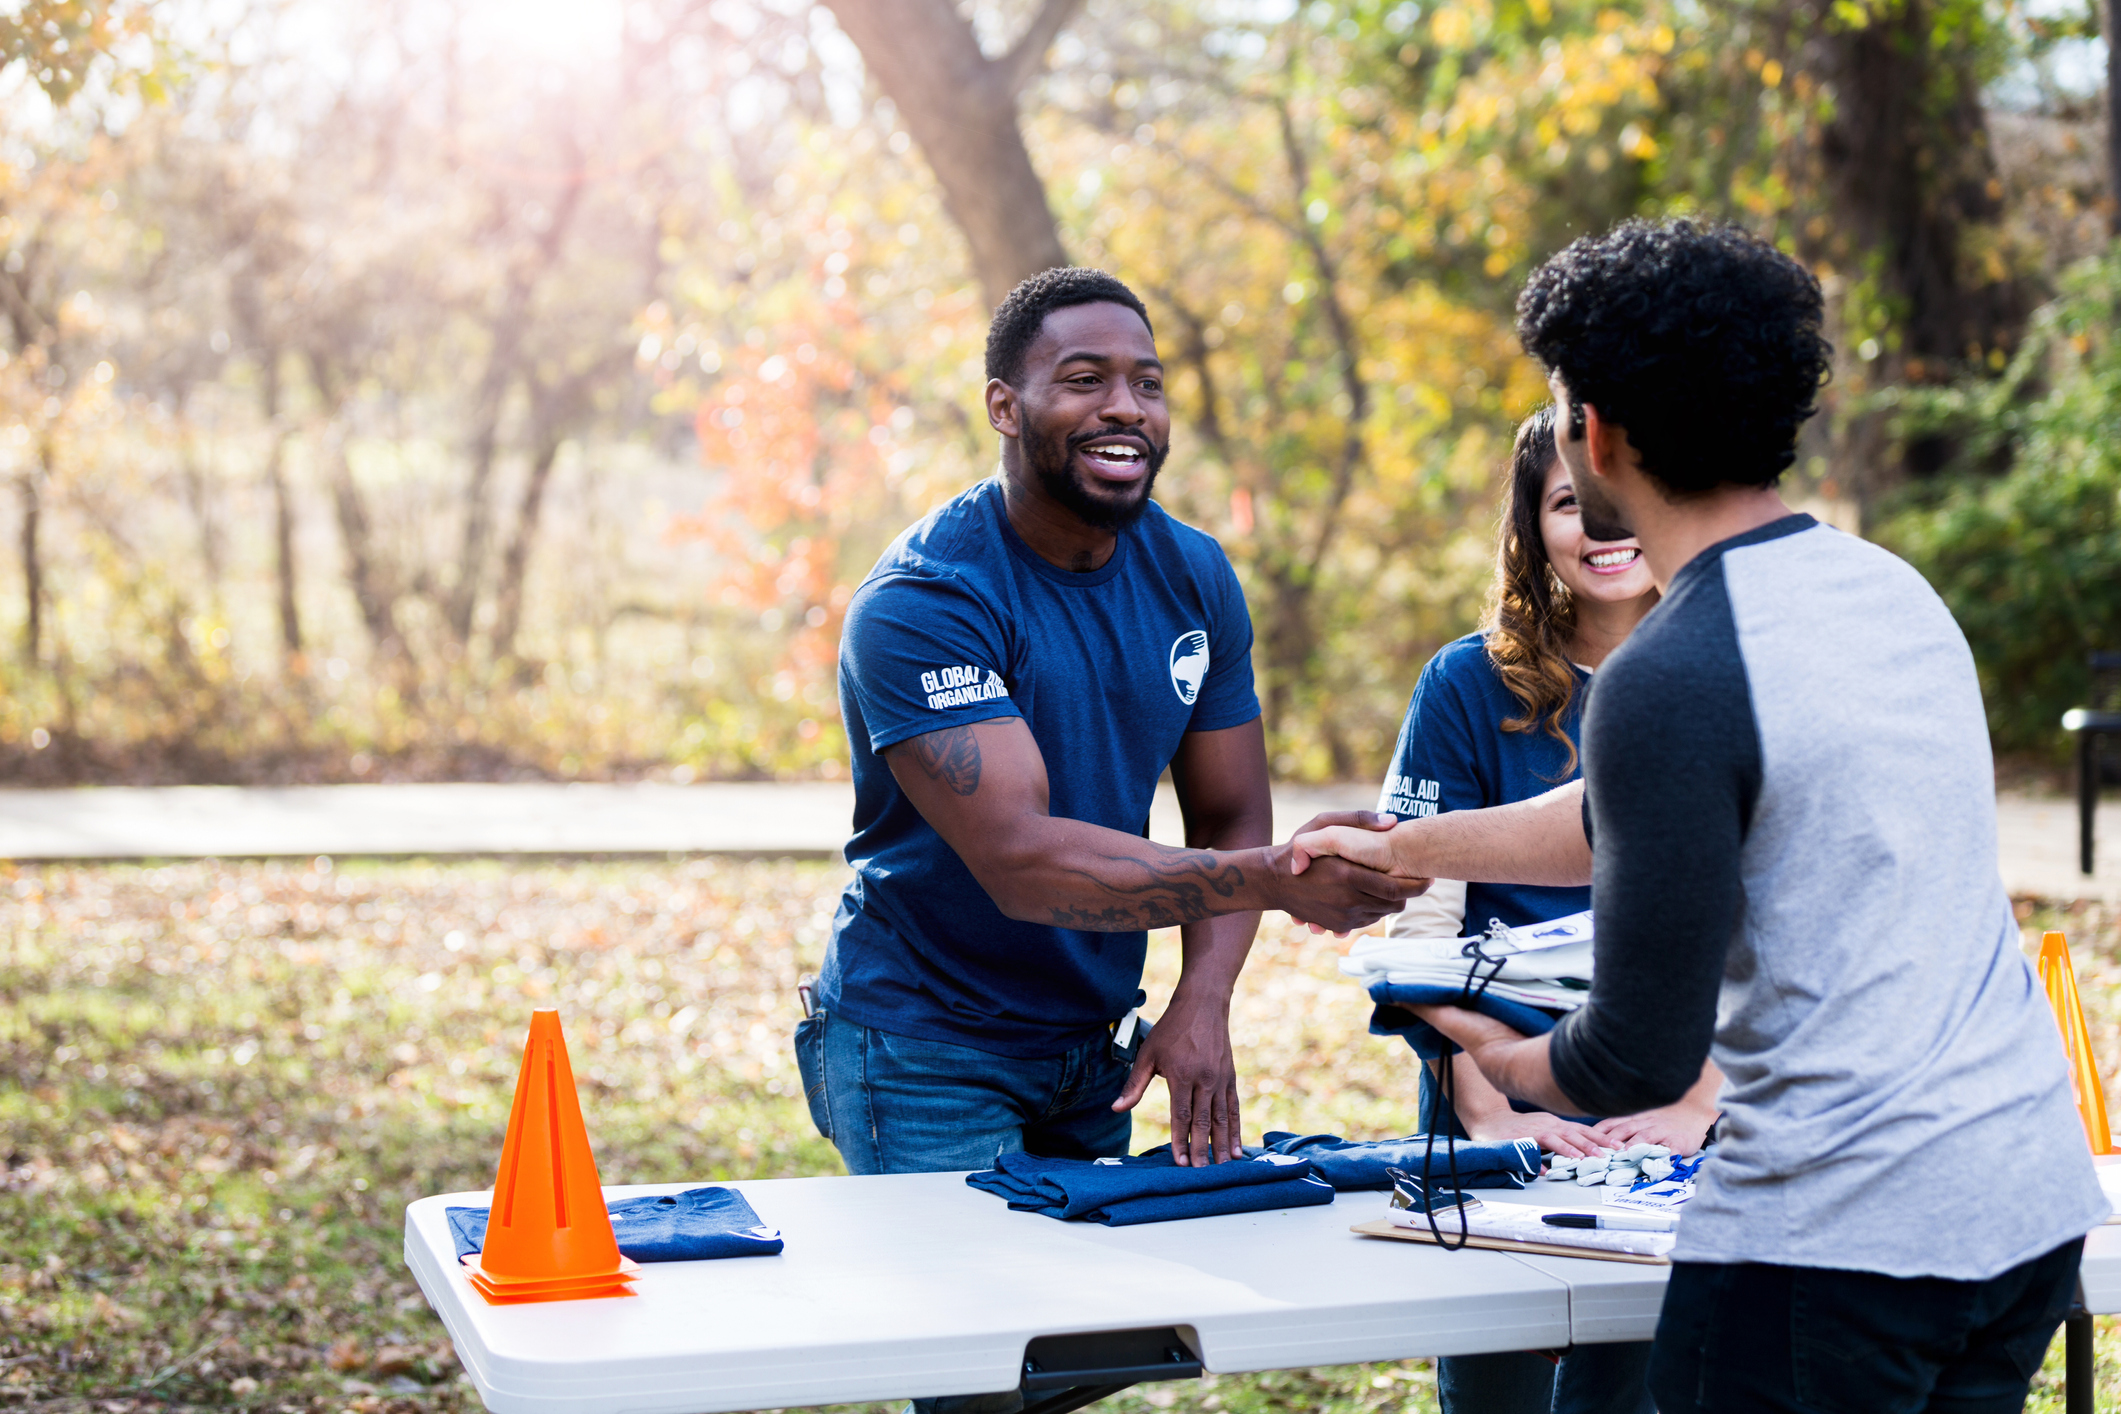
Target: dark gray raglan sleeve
(1671, 757)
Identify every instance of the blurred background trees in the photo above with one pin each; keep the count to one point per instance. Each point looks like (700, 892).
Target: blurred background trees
(481, 390)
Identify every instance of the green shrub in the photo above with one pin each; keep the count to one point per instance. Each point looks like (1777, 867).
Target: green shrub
(2030, 561)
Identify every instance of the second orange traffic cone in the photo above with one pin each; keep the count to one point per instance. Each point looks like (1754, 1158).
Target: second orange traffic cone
(2060, 980)
(548, 1237)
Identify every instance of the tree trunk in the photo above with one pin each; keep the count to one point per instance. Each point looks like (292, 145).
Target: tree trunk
(374, 596)
(510, 328)
(32, 567)
(515, 561)
(283, 514)
(199, 498)
(2112, 16)
(1910, 174)
(960, 106)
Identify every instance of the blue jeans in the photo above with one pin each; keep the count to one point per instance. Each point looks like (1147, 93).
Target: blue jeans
(1748, 1338)
(897, 1104)
(1589, 1379)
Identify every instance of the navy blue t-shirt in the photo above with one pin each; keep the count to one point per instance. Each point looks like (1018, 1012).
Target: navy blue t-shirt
(1454, 755)
(959, 622)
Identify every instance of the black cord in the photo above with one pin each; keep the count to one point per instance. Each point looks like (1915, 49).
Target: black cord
(1468, 993)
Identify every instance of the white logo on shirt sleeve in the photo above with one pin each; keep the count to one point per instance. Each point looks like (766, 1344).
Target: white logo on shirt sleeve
(1189, 665)
(960, 685)
(1409, 798)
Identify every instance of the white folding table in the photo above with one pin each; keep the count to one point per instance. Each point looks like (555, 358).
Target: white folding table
(893, 1287)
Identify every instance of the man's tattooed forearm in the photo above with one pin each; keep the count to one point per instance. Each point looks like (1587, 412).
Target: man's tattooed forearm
(1177, 891)
(950, 756)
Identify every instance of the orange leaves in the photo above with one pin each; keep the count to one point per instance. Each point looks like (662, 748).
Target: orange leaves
(788, 430)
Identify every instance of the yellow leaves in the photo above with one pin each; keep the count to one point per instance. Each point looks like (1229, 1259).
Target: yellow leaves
(1451, 26)
(1771, 73)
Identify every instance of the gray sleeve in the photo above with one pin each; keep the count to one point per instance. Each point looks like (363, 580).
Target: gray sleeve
(1671, 758)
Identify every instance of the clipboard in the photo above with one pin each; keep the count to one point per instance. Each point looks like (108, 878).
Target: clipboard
(1385, 1227)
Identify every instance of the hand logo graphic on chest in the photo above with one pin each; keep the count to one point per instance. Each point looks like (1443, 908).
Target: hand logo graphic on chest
(1189, 665)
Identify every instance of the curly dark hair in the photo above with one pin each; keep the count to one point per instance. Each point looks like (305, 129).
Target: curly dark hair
(1703, 342)
(1017, 323)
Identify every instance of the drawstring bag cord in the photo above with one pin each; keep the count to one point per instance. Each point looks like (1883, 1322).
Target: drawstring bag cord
(1473, 989)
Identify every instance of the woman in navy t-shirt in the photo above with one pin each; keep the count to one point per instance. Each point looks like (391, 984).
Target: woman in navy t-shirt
(1495, 719)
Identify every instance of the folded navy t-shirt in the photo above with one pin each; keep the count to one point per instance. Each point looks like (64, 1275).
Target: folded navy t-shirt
(693, 1226)
(1149, 1188)
(1363, 1164)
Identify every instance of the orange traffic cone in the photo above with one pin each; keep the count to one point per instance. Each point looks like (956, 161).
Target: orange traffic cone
(548, 1237)
(2060, 979)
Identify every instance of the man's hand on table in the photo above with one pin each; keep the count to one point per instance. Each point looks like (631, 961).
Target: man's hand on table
(1337, 892)
(1190, 1047)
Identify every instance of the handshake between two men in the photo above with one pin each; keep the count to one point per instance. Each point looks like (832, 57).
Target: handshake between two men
(984, 788)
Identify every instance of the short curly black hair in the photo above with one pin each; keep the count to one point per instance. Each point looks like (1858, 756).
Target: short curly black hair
(1017, 323)
(1702, 341)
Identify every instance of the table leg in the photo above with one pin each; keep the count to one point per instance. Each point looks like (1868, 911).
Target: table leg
(1063, 1373)
(2087, 795)
(1067, 1400)
(2077, 1364)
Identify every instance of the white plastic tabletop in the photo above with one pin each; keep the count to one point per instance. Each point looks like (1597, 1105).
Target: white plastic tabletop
(919, 1285)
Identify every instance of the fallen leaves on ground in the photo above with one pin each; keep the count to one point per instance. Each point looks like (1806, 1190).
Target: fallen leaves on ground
(220, 1083)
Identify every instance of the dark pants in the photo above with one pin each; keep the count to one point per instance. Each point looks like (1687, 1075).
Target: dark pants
(1746, 1338)
(1588, 1379)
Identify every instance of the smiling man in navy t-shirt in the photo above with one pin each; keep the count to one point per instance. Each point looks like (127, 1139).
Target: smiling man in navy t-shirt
(1016, 673)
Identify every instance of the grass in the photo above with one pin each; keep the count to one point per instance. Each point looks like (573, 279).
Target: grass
(221, 1083)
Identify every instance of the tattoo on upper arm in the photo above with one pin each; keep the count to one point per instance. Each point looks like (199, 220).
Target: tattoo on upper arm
(1176, 891)
(950, 756)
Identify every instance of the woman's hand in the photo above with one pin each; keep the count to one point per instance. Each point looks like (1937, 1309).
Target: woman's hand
(1487, 1117)
(1680, 1128)
(1553, 1133)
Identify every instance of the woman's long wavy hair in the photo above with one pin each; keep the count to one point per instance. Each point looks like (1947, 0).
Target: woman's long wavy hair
(1531, 618)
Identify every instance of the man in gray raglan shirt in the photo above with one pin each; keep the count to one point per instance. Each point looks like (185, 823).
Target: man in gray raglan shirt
(1788, 821)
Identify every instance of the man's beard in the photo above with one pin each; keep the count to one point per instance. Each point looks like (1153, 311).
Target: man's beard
(1598, 511)
(1053, 463)
(1601, 516)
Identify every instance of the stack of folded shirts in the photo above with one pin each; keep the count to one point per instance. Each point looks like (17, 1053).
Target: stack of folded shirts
(1150, 1188)
(1361, 1164)
(692, 1226)
(1532, 976)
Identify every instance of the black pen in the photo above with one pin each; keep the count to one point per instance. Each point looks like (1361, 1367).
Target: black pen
(1612, 1222)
